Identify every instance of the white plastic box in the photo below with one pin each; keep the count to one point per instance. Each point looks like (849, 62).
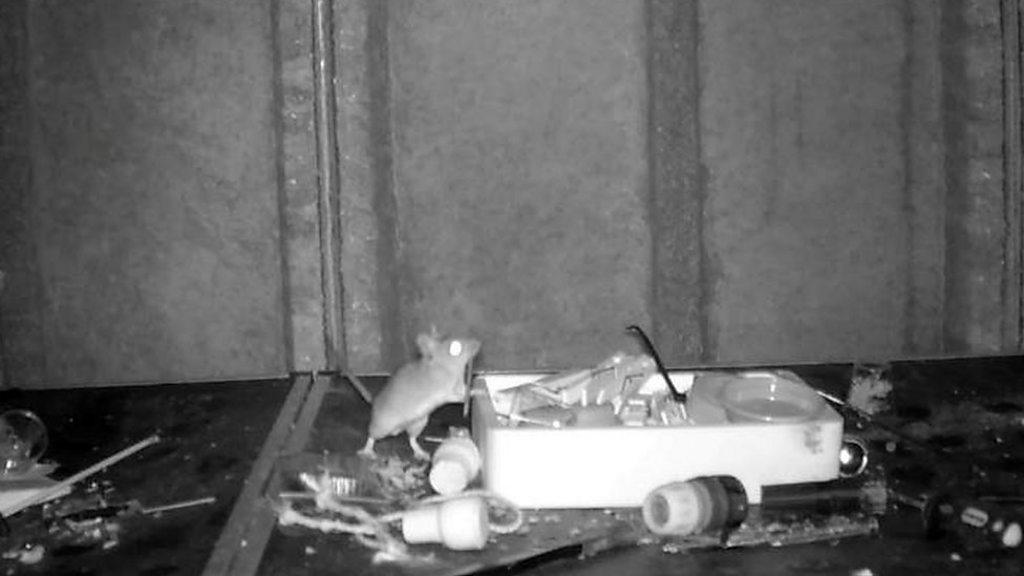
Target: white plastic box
(617, 466)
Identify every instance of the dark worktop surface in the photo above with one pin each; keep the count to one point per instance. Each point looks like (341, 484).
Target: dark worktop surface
(969, 414)
(210, 436)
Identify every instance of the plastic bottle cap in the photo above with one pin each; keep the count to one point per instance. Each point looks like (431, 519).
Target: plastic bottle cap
(679, 509)
(456, 463)
(458, 524)
(448, 477)
(1012, 535)
(464, 524)
(421, 525)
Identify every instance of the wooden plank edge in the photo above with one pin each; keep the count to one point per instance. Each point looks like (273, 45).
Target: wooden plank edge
(252, 521)
(232, 538)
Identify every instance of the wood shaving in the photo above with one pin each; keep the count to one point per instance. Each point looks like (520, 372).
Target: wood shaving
(399, 479)
(869, 391)
(367, 529)
(288, 516)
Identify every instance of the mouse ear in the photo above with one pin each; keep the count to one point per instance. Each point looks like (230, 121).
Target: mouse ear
(426, 344)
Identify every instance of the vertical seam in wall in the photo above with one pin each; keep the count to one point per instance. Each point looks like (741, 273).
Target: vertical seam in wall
(708, 328)
(385, 205)
(21, 241)
(1019, 190)
(1012, 149)
(655, 310)
(652, 159)
(40, 299)
(953, 80)
(679, 301)
(277, 111)
(327, 172)
(910, 322)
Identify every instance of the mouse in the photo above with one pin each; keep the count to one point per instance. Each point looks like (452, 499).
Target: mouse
(418, 388)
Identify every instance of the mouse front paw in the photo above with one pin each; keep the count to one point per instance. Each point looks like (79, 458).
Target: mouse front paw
(417, 450)
(367, 450)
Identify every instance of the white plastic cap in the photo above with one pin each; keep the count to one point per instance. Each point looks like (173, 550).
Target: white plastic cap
(421, 525)
(458, 524)
(464, 524)
(448, 476)
(456, 463)
(678, 509)
(1012, 536)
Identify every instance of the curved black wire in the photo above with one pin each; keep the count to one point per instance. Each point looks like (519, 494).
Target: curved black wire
(657, 358)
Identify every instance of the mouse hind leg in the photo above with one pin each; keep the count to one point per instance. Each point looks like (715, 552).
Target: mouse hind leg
(415, 429)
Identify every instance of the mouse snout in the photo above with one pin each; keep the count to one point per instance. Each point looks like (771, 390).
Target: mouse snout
(471, 348)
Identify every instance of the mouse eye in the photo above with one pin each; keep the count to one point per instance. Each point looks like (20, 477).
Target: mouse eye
(455, 348)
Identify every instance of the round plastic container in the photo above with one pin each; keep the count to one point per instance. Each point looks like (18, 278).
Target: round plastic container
(23, 440)
(769, 398)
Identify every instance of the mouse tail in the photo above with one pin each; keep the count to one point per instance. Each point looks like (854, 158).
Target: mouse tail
(360, 387)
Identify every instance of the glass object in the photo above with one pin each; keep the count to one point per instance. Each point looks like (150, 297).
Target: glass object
(23, 440)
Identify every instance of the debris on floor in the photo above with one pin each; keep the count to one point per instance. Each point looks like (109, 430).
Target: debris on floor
(351, 498)
(869, 389)
(28, 485)
(79, 518)
(40, 496)
(809, 529)
(28, 554)
(383, 504)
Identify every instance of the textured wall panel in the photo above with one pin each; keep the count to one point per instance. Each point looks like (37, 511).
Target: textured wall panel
(519, 137)
(298, 174)
(926, 181)
(366, 204)
(155, 191)
(679, 299)
(803, 130)
(20, 332)
(977, 227)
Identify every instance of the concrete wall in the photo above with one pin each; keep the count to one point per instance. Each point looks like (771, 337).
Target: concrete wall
(804, 120)
(368, 263)
(806, 189)
(527, 212)
(15, 299)
(785, 181)
(153, 250)
(983, 288)
(519, 175)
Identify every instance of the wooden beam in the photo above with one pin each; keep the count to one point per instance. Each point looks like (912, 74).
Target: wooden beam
(680, 283)
(240, 546)
(1012, 174)
(298, 186)
(925, 183)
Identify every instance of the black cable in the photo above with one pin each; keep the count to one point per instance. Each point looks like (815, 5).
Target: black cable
(657, 360)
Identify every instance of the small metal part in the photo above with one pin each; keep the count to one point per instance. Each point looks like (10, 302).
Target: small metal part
(179, 505)
(853, 457)
(333, 484)
(535, 421)
(634, 412)
(680, 396)
(978, 524)
(312, 496)
(467, 381)
(843, 405)
(342, 485)
(544, 393)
